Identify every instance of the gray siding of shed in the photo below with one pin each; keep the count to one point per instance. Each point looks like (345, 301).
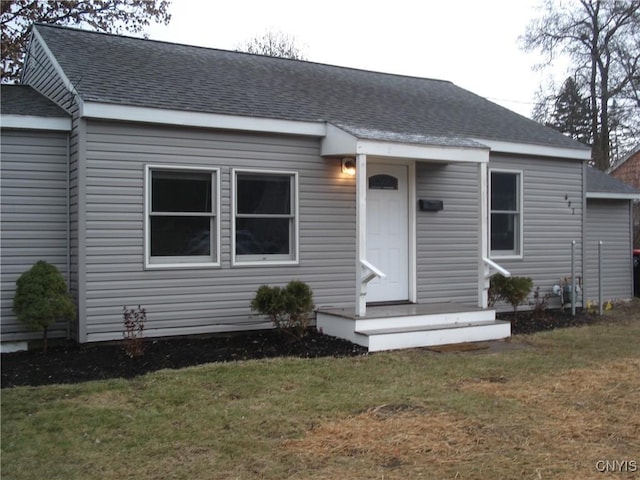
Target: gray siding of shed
(33, 188)
(609, 221)
(447, 241)
(185, 301)
(553, 218)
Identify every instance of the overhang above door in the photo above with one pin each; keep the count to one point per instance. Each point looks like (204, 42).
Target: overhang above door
(344, 140)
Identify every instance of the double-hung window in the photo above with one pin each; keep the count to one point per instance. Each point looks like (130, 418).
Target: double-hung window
(506, 213)
(265, 220)
(182, 216)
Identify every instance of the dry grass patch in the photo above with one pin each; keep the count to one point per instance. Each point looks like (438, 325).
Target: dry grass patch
(589, 412)
(394, 435)
(561, 426)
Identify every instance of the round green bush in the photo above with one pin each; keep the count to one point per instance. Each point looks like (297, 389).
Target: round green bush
(41, 298)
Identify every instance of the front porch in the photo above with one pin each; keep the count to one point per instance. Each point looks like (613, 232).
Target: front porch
(392, 327)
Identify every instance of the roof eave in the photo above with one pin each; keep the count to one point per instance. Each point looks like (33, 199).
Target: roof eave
(107, 111)
(33, 122)
(613, 196)
(517, 148)
(338, 142)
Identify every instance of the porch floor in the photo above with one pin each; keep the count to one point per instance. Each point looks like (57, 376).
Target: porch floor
(402, 309)
(389, 327)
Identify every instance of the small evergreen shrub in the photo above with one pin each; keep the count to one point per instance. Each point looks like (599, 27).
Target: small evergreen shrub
(41, 298)
(134, 320)
(288, 308)
(513, 290)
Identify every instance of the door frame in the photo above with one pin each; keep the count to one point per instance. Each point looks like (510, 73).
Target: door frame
(411, 217)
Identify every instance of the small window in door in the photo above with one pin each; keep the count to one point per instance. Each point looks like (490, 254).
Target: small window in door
(383, 182)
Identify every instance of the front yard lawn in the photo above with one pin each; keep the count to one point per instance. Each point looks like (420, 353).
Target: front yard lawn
(557, 407)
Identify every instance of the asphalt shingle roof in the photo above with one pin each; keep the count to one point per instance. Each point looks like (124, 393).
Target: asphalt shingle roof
(137, 72)
(24, 100)
(600, 182)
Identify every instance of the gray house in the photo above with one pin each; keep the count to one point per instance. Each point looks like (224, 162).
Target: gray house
(182, 178)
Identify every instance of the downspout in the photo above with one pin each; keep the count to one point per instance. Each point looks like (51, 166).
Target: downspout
(583, 242)
(68, 212)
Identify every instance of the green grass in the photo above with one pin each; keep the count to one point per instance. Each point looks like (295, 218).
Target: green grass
(279, 419)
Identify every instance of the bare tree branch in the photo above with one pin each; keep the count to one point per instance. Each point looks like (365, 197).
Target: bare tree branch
(117, 16)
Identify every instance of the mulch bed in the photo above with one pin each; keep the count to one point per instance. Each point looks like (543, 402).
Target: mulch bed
(72, 363)
(531, 322)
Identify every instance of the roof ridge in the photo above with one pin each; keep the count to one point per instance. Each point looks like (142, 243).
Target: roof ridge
(238, 52)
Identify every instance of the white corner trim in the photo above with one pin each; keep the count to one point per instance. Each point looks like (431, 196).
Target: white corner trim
(535, 150)
(105, 111)
(33, 122)
(613, 196)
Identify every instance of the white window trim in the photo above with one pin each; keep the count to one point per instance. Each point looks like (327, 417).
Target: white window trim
(189, 262)
(267, 260)
(505, 254)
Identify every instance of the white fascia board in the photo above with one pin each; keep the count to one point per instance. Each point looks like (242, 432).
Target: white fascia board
(422, 152)
(337, 142)
(163, 116)
(614, 196)
(535, 150)
(33, 122)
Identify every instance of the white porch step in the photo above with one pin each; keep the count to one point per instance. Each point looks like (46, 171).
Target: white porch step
(393, 339)
(410, 326)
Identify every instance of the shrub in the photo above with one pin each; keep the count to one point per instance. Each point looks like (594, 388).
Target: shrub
(540, 304)
(288, 308)
(513, 290)
(41, 298)
(134, 320)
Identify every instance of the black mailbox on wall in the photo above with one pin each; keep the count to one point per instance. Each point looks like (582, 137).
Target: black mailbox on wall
(430, 205)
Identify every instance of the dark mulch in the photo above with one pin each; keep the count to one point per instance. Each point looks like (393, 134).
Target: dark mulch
(72, 363)
(531, 322)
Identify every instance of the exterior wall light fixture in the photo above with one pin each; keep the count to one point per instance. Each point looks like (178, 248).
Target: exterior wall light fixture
(349, 166)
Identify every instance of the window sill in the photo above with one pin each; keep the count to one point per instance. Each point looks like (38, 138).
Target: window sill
(173, 266)
(506, 256)
(264, 263)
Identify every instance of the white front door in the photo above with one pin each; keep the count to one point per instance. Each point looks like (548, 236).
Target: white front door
(388, 231)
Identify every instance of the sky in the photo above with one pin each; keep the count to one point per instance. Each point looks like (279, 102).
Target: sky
(472, 43)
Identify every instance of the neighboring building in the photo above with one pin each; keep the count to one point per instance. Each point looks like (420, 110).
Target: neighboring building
(629, 172)
(610, 220)
(196, 175)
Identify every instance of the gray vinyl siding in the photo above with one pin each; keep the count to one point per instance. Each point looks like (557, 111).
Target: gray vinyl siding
(41, 74)
(33, 189)
(552, 219)
(447, 241)
(199, 300)
(609, 221)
